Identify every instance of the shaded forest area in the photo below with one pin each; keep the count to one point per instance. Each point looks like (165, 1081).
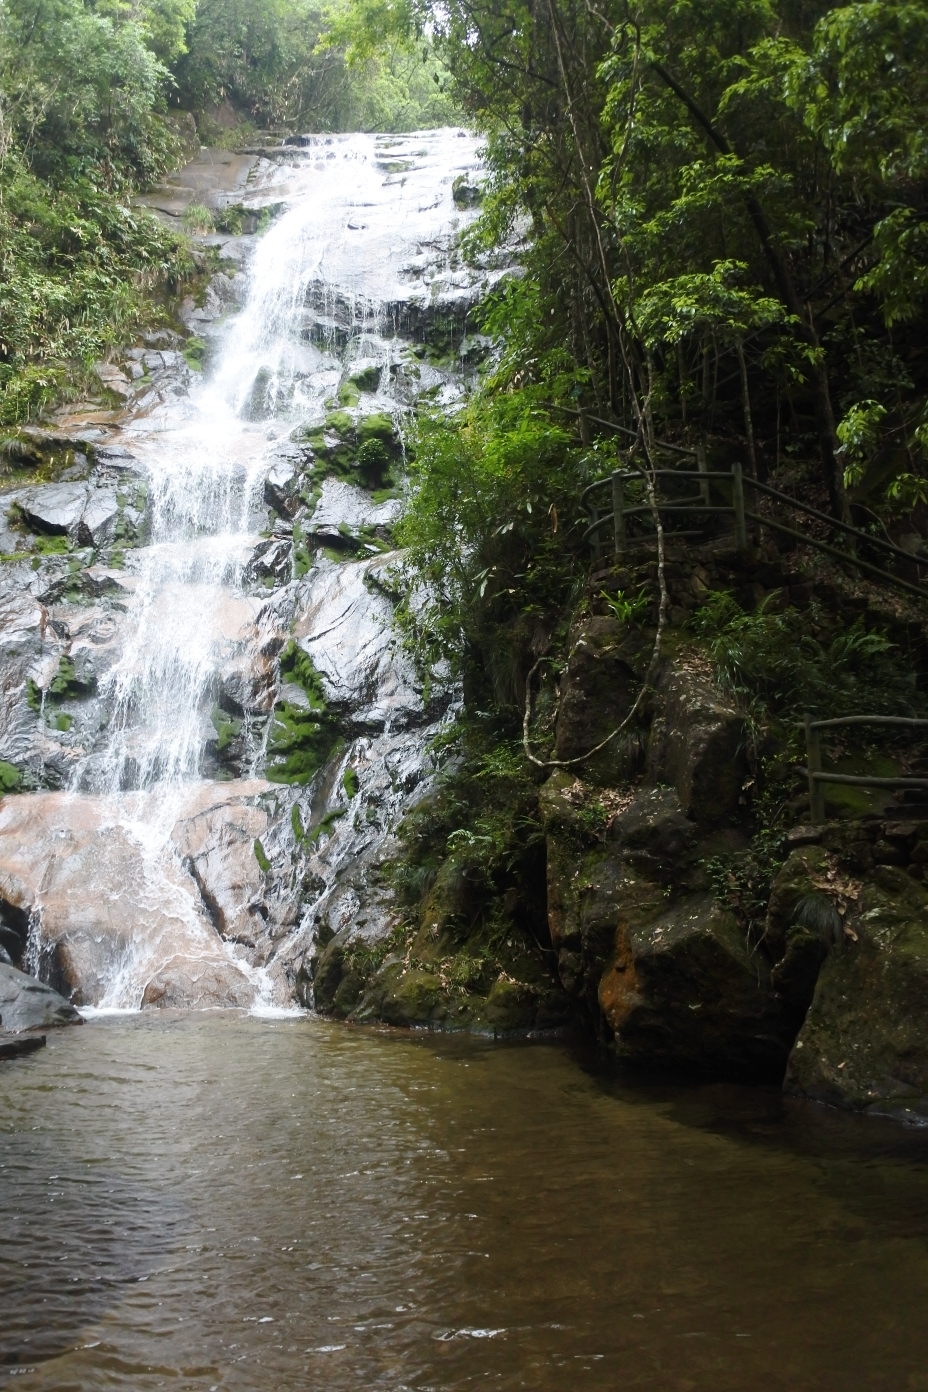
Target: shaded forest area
(723, 217)
(720, 212)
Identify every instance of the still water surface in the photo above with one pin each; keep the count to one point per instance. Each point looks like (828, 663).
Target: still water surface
(214, 1201)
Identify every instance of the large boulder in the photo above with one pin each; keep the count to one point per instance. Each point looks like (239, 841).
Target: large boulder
(697, 742)
(82, 511)
(864, 1043)
(27, 1004)
(665, 967)
(602, 679)
(685, 990)
(126, 916)
(55, 509)
(344, 505)
(344, 624)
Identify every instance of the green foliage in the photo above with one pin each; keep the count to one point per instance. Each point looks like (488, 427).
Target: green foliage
(780, 664)
(477, 835)
(227, 728)
(77, 267)
(198, 218)
(325, 824)
(626, 611)
(350, 783)
(263, 863)
(722, 209)
(283, 62)
(10, 777)
(860, 433)
(488, 555)
(194, 351)
(83, 87)
(373, 461)
(66, 683)
(742, 880)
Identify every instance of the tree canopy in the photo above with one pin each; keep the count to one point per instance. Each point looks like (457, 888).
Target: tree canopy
(725, 215)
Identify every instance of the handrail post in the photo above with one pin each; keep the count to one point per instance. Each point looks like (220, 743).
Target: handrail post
(737, 496)
(703, 469)
(594, 537)
(618, 515)
(814, 765)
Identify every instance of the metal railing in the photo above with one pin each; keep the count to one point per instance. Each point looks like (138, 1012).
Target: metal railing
(700, 506)
(819, 777)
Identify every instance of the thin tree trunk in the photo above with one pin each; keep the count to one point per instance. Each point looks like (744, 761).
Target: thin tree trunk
(746, 400)
(824, 415)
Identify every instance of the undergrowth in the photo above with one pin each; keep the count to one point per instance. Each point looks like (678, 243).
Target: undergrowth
(472, 852)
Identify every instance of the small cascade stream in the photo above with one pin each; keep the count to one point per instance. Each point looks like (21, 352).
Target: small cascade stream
(159, 866)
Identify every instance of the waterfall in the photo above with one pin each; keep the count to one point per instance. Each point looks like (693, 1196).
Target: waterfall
(160, 870)
(347, 235)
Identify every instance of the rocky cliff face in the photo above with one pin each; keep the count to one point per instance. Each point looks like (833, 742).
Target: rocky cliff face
(661, 934)
(208, 727)
(822, 981)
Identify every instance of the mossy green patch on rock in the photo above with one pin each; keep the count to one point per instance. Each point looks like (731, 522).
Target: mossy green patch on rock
(10, 777)
(302, 736)
(227, 729)
(376, 426)
(340, 422)
(368, 379)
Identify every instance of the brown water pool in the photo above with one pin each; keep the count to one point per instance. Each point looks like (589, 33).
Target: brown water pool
(213, 1201)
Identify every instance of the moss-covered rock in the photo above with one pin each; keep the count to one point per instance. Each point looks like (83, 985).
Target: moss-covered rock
(864, 1044)
(411, 997)
(685, 991)
(367, 379)
(667, 968)
(303, 731)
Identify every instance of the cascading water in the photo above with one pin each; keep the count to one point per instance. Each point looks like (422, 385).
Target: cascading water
(161, 855)
(205, 471)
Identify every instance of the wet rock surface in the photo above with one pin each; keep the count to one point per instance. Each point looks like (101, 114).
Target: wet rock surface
(212, 892)
(211, 912)
(864, 1043)
(28, 1004)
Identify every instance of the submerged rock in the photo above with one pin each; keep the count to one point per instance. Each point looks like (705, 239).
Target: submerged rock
(27, 1004)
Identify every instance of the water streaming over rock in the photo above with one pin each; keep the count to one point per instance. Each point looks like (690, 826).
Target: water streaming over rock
(166, 869)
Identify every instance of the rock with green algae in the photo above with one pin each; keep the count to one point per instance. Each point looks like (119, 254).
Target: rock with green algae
(667, 968)
(349, 983)
(864, 1043)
